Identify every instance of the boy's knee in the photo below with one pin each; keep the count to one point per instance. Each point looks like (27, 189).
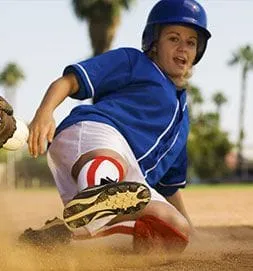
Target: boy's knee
(161, 224)
(98, 168)
(151, 232)
(169, 214)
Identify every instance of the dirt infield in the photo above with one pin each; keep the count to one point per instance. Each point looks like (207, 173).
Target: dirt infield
(224, 240)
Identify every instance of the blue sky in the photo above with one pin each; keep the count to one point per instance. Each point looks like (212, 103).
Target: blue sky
(45, 36)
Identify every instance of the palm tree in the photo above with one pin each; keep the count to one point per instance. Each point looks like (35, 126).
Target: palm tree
(244, 57)
(195, 100)
(10, 77)
(103, 17)
(219, 99)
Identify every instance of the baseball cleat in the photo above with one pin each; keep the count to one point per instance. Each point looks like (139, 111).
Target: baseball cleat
(52, 233)
(100, 201)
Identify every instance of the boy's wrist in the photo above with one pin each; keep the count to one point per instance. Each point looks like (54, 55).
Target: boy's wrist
(45, 110)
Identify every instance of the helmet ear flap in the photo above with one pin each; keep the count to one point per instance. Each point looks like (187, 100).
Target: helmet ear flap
(147, 37)
(202, 43)
(150, 36)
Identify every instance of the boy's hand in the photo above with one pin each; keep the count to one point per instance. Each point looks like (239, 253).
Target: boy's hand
(41, 131)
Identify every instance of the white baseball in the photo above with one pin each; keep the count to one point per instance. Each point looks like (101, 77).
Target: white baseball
(19, 138)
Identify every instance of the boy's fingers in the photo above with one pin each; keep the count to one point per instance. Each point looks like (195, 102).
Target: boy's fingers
(38, 136)
(29, 142)
(50, 135)
(35, 144)
(41, 143)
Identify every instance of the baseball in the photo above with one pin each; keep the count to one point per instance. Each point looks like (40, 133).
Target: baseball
(19, 138)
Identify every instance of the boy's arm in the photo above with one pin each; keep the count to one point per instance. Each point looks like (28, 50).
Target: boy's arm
(42, 127)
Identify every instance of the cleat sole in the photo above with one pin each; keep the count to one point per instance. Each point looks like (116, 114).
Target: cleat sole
(101, 201)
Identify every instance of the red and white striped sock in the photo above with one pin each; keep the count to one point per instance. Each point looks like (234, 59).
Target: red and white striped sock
(101, 167)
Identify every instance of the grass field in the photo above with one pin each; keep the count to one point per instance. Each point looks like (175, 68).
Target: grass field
(223, 216)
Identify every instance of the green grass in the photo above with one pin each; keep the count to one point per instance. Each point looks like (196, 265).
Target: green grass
(220, 186)
(235, 186)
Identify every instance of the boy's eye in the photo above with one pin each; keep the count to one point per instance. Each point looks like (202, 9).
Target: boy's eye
(192, 43)
(174, 39)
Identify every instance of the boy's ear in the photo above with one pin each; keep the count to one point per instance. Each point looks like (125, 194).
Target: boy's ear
(154, 48)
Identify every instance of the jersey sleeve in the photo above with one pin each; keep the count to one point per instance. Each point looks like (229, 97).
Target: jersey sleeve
(102, 74)
(175, 178)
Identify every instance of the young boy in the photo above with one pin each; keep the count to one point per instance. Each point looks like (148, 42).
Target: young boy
(123, 158)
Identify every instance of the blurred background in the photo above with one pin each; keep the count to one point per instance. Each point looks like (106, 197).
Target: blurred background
(40, 38)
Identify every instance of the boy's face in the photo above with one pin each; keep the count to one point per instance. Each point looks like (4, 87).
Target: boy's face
(176, 50)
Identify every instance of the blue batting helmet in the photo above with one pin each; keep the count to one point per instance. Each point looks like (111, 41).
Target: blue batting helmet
(183, 12)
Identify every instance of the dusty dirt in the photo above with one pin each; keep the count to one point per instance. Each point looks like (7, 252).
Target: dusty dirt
(224, 239)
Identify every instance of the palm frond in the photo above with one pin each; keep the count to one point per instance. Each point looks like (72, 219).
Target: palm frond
(234, 60)
(11, 75)
(243, 55)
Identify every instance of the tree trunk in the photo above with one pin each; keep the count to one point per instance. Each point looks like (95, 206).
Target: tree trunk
(10, 95)
(240, 157)
(102, 33)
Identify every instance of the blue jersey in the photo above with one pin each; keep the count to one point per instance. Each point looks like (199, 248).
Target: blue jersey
(131, 94)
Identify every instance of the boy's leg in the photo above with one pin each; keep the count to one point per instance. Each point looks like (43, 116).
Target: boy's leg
(159, 224)
(62, 159)
(150, 233)
(158, 206)
(142, 235)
